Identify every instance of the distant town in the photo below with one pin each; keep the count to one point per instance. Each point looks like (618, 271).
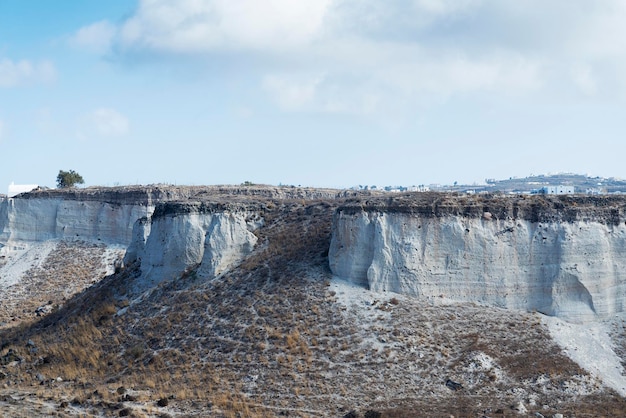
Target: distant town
(561, 183)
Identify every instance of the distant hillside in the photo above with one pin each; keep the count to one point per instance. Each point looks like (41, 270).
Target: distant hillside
(522, 185)
(581, 183)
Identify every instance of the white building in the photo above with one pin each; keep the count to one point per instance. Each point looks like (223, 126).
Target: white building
(420, 188)
(15, 189)
(557, 190)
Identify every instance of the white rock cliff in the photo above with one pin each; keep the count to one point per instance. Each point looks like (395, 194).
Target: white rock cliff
(561, 257)
(574, 270)
(100, 214)
(35, 220)
(209, 241)
(165, 241)
(105, 216)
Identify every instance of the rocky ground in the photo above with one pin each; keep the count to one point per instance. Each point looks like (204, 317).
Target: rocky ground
(279, 336)
(44, 275)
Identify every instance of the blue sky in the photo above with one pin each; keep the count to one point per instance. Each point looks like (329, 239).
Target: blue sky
(330, 93)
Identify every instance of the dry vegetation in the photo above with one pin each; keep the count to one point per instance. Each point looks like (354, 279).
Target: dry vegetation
(276, 337)
(69, 268)
(536, 208)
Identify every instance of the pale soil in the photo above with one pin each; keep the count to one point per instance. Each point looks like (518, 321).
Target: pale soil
(47, 274)
(36, 403)
(592, 346)
(464, 347)
(15, 263)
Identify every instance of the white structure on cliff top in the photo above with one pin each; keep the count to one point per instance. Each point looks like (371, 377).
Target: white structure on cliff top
(15, 189)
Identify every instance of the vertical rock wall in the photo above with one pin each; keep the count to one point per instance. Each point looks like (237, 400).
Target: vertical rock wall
(210, 242)
(574, 270)
(36, 220)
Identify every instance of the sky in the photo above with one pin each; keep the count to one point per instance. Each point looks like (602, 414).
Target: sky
(323, 93)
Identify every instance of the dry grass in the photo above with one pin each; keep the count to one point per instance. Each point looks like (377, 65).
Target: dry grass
(70, 268)
(535, 208)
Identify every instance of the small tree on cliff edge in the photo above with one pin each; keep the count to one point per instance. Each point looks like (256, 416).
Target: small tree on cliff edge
(67, 179)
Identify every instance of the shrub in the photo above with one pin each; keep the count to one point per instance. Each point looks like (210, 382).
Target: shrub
(67, 179)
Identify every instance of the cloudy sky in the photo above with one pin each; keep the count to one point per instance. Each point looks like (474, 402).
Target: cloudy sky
(314, 92)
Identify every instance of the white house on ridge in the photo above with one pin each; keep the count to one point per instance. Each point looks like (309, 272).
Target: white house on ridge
(15, 189)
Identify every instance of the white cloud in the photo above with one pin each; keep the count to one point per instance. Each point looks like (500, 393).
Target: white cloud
(96, 37)
(328, 93)
(445, 7)
(584, 79)
(17, 73)
(103, 123)
(109, 122)
(368, 84)
(361, 56)
(191, 26)
(293, 93)
(601, 32)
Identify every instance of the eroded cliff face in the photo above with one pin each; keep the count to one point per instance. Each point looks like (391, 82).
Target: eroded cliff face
(104, 215)
(36, 220)
(568, 266)
(4, 217)
(168, 229)
(180, 237)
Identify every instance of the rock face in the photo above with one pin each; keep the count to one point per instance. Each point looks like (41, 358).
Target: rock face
(560, 261)
(4, 216)
(108, 214)
(167, 229)
(105, 215)
(562, 256)
(35, 220)
(182, 236)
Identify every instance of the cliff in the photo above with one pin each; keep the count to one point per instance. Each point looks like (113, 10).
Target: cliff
(107, 214)
(210, 238)
(559, 255)
(166, 229)
(562, 256)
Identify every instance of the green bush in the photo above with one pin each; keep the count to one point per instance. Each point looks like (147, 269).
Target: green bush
(67, 179)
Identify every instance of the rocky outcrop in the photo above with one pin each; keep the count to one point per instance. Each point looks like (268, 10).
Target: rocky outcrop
(560, 256)
(45, 219)
(209, 238)
(106, 217)
(4, 216)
